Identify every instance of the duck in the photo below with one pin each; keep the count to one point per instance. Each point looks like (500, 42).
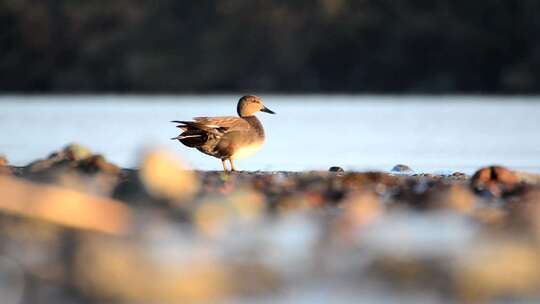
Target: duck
(227, 137)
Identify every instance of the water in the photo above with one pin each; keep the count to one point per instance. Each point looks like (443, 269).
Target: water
(428, 133)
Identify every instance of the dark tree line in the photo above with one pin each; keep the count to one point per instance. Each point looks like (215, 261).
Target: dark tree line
(395, 46)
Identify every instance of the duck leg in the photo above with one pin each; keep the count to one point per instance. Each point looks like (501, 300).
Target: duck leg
(232, 164)
(224, 165)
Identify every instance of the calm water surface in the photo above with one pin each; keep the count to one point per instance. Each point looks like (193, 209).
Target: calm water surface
(430, 134)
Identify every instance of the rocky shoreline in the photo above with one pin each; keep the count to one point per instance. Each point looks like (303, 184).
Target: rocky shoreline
(77, 228)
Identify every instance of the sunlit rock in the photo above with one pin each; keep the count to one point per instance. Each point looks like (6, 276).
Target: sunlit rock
(247, 204)
(166, 177)
(61, 206)
(70, 154)
(357, 211)
(362, 208)
(76, 152)
(495, 181)
(73, 158)
(4, 169)
(528, 178)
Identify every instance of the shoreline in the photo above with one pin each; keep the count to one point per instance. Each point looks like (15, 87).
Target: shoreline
(164, 233)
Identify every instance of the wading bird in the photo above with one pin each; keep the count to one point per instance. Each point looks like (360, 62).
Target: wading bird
(227, 137)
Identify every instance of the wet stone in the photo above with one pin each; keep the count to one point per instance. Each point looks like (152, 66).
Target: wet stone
(401, 169)
(336, 169)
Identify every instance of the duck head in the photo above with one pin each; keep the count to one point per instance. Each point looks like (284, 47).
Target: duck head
(250, 104)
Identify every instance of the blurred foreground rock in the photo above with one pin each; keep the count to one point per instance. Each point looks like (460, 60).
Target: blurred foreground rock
(74, 157)
(76, 229)
(4, 169)
(75, 167)
(496, 181)
(166, 177)
(64, 207)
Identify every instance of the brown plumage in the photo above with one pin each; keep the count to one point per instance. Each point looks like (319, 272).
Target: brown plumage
(227, 137)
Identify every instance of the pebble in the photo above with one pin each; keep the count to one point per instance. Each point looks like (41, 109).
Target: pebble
(495, 182)
(336, 169)
(402, 169)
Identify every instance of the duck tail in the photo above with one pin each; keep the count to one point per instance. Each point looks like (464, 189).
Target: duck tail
(180, 137)
(192, 138)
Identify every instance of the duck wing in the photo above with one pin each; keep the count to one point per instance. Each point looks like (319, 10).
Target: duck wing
(214, 125)
(229, 123)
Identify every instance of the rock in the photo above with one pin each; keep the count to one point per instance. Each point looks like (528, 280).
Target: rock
(454, 197)
(63, 207)
(459, 176)
(404, 169)
(77, 152)
(336, 169)
(367, 179)
(248, 205)
(495, 181)
(45, 164)
(423, 194)
(359, 210)
(3, 160)
(165, 177)
(68, 163)
(4, 169)
(69, 156)
(97, 163)
(528, 178)
(98, 183)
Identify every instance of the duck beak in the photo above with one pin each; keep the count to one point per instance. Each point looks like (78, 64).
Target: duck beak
(267, 110)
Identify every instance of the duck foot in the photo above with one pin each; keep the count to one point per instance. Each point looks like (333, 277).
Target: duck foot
(232, 165)
(224, 166)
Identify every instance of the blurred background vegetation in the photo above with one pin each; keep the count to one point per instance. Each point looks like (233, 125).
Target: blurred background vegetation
(206, 46)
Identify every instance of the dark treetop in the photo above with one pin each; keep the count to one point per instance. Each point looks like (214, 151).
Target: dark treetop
(394, 46)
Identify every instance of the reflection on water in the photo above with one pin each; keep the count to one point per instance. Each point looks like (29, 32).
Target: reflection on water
(430, 134)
